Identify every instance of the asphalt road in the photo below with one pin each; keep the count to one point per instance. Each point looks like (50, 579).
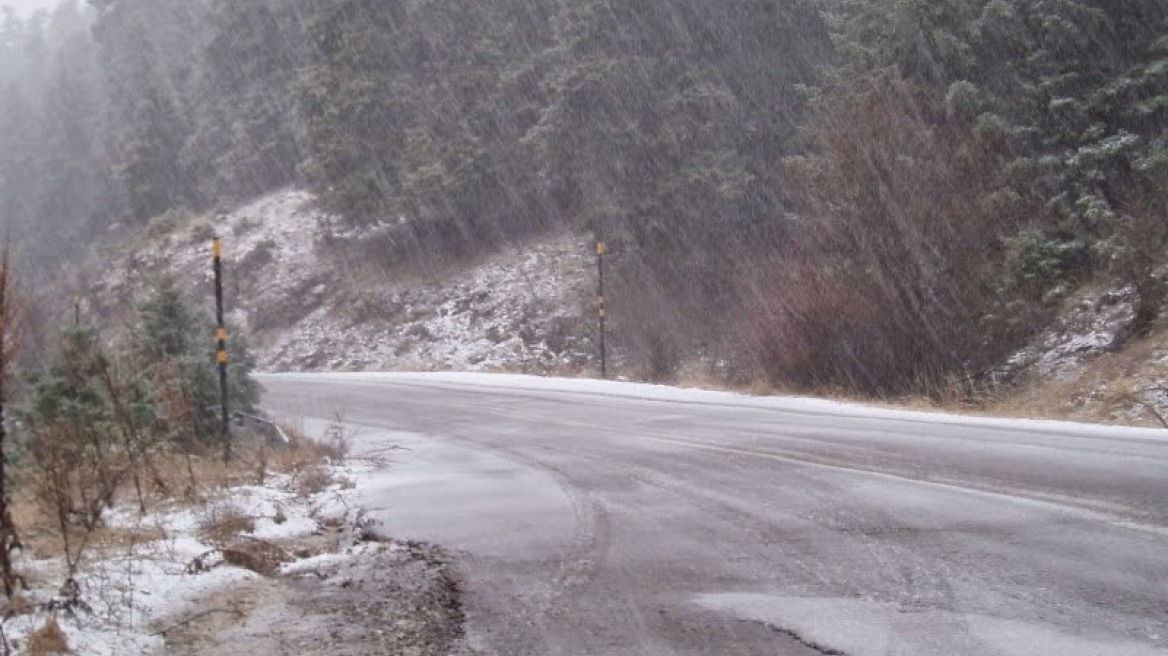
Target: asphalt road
(596, 522)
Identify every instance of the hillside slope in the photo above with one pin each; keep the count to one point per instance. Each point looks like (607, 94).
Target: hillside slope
(314, 303)
(1078, 369)
(309, 304)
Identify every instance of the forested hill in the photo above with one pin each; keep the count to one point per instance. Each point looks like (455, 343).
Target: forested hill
(877, 194)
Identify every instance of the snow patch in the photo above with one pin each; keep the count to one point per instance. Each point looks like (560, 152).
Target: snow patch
(130, 592)
(861, 627)
(301, 283)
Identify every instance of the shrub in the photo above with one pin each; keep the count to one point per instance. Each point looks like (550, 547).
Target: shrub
(174, 339)
(890, 284)
(202, 232)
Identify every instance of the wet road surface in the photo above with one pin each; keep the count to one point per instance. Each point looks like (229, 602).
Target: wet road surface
(590, 519)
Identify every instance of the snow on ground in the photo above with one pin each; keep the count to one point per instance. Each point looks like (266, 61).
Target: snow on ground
(1084, 331)
(862, 627)
(136, 588)
(1077, 369)
(511, 311)
(803, 405)
(311, 299)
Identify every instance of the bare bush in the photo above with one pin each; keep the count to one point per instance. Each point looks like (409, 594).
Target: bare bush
(9, 341)
(68, 483)
(338, 439)
(1136, 251)
(651, 330)
(889, 286)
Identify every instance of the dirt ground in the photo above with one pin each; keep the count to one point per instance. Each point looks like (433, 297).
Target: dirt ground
(401, 598)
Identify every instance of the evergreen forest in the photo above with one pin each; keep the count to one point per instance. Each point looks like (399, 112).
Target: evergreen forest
(883, 196)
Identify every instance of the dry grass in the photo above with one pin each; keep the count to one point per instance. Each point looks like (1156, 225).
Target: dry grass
(17, 604)
(313, 480)
(49, 639)
(181, 479)
(223, 522)
(953, 398)
(259, 556)
(120, 537)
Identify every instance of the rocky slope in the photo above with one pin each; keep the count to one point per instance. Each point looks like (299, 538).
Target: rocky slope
(1077, 369)
(310, 300)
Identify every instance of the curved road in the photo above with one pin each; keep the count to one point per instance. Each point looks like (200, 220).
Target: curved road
(596, 518)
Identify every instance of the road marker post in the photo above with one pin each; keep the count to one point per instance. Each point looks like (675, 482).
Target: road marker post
(221, 345)
(601, 306)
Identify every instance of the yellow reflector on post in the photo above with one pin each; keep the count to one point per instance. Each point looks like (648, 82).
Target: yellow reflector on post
(221, 357)
(221, 334)
(216, 250)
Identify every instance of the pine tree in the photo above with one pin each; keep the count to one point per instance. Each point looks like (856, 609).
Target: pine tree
(350, 92)
(179, 339)
(248, 134)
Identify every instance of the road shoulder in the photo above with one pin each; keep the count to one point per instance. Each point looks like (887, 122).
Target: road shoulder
(380, 597)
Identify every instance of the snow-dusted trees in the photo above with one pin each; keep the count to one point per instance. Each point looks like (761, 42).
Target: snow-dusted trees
(663, 125)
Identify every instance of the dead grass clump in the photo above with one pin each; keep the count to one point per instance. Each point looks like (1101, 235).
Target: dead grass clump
(127, 536)
(252, 461)
(173, 475)
(49, 639)
(17, 604)
(263, 558)
(223, 523)
(1134, 401)
(303, 454)
(313, 480)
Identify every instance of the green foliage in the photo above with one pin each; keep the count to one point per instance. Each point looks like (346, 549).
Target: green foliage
(166, 381)
(67, 391)
(1040, 266)
(80, 427)
(172, 334)
(1079, 88)
(73, 388)
(664, 126)
(348, 95)
(147, 55)
(247, 133)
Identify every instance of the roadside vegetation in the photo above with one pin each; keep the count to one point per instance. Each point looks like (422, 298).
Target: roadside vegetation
(879, 197)
(107, 445)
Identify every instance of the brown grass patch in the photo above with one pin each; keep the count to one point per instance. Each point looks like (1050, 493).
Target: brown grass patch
(259, 556)
(223, 523)
(313, 480)
(15, 605)
(49, 639)
(177, 478)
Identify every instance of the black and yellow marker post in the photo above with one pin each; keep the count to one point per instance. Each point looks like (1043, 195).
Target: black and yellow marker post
(221, 348)
(601, 305)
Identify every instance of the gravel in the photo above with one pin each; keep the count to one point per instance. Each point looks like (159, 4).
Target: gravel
(394, 598)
